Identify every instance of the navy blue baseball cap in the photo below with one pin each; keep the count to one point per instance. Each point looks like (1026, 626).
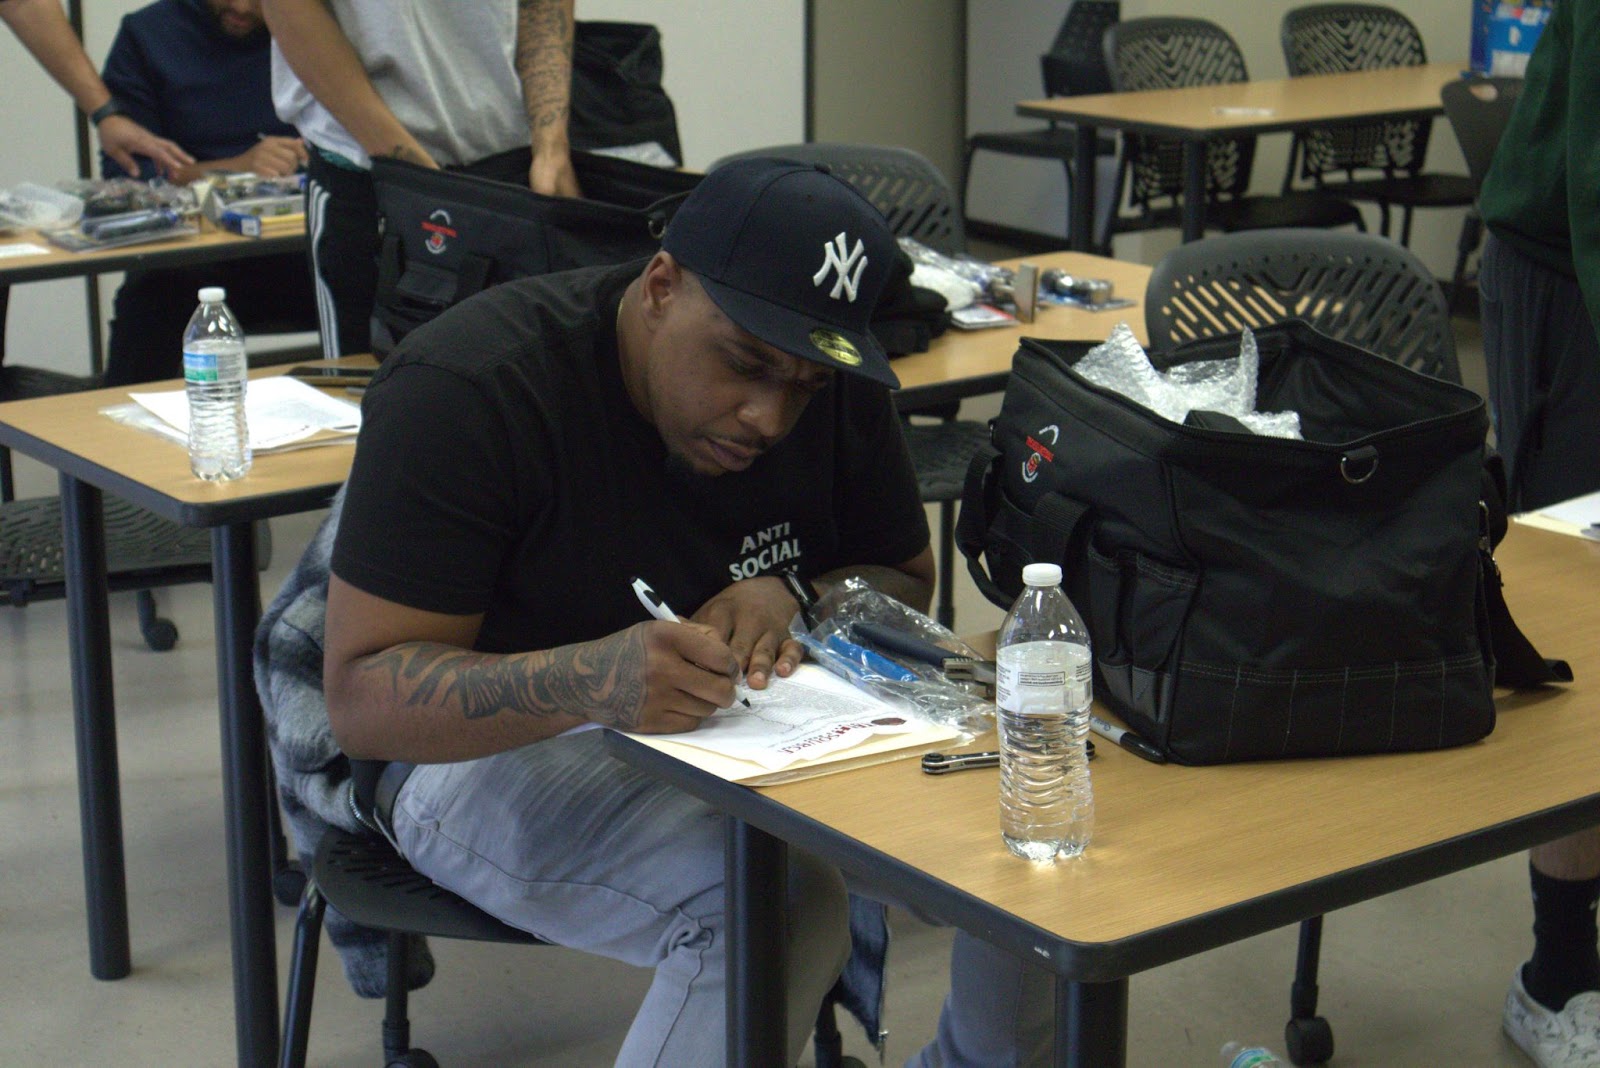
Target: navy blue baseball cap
(793, 255)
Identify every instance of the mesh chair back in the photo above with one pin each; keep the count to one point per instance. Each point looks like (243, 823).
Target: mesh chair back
(1360, 288)
(914, 197)
(1478, 110)
(1076, 64)
(1337, 38)
(1172, 53)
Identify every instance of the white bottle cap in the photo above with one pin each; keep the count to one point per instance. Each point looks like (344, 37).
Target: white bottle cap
(213, 295)
(1042, 574)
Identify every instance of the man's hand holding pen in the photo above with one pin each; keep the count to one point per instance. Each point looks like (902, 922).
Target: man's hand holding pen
(657, 677)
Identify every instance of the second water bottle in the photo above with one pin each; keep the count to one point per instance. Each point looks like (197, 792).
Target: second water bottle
(1043, 692)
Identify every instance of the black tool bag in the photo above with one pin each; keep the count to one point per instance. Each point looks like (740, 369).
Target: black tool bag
(1251, 597)
(449, 234)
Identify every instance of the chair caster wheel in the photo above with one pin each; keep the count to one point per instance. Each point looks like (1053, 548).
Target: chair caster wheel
(414, 1058)
(288, 884)
(160, 635)
(1310, 1040)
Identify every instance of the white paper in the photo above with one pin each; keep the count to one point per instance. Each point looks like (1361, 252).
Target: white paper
(1583, 511)
(279, 410)
(797, 718)
(22, 248)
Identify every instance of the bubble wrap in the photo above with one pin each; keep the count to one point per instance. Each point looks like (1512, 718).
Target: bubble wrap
(1227, 386)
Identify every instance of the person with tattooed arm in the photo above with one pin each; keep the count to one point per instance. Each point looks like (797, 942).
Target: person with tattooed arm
(525, 454)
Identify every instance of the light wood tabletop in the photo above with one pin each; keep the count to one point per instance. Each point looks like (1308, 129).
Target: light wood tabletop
(210, 245)
(1197, 113)
(982, 358)
(68, 432)
(1259, 106)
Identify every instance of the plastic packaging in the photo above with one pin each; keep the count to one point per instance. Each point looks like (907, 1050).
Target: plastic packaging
(1238, 1055)
(40, 207)
(1042, 693)
(919, 687)
(215, 375)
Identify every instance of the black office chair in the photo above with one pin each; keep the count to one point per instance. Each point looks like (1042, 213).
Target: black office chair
(368, 882)
(1478, 110)
(1332, 39)
(1074, 65)
(918, 202)
(1360, 288)
(1173, 53)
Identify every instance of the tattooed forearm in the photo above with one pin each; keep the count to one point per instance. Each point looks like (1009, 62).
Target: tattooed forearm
(544, 62)
(601, 680)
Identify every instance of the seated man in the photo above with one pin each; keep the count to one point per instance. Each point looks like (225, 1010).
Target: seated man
(199, 72)
(522, 457)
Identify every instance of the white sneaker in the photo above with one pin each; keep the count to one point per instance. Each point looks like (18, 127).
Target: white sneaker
(1566, 1039)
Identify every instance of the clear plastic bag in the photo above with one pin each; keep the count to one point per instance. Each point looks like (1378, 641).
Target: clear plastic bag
(920, 687)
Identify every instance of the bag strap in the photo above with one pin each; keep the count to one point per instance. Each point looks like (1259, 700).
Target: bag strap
(1517, 663)
(473, 275)
(1057, 523)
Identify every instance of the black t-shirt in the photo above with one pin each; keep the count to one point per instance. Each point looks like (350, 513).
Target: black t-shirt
(502, 469)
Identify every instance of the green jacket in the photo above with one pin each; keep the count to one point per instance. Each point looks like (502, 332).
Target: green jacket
(1542, 193)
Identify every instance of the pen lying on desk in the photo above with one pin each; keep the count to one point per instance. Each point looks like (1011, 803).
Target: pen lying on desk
(1127, 739)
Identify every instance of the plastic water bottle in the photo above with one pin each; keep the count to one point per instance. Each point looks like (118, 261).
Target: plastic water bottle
(1239, 1055)
(214, 376)
(1042, 673)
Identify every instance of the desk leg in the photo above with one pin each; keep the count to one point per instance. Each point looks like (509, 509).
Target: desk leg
(1091, 1024)
(1080, 224)
(1194, 190)
(95, 725)
(757, 868)
(245, 793)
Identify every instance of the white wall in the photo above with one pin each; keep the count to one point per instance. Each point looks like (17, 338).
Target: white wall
(1005, 38)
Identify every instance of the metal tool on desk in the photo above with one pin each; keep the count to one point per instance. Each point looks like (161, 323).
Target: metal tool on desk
(956, 668)
(945, 763)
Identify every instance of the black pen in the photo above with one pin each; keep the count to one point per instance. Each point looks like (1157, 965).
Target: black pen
(1127, 739)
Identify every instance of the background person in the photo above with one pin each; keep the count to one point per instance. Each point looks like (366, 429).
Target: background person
(439, 85)
(1539, 289)
(43, 29)
(199, 72)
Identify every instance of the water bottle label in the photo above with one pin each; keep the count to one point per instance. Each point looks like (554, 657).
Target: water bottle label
(1041, 678)
(199, 366)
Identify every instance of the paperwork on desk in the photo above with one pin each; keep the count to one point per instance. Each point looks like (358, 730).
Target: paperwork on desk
(1579, 516)
(282, 413)
(811, 723)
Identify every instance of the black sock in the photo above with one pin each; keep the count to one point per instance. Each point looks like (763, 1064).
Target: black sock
(1565, 959)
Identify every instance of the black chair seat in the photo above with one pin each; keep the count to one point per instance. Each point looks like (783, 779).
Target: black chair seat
(1274, 212)
(941, 453)
(23, 383)
(1418, 190)
(1046, 142)
(364, 878)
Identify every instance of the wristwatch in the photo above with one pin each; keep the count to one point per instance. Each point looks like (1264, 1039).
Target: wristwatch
(804, 593)
(105, 111)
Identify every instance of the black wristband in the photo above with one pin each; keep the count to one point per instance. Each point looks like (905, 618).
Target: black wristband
(105, 111)
(804, 593)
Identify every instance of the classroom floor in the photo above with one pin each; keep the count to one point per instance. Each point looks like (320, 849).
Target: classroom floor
(1414, 979)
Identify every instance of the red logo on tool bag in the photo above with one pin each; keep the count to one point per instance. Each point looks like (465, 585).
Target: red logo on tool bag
(1041, 453)
(439, 230)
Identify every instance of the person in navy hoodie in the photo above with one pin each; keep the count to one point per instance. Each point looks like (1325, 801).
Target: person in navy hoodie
(199, 72)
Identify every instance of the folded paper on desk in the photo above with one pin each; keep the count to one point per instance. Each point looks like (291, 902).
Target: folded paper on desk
(282, 413)
(811, 723)
(1579, 516)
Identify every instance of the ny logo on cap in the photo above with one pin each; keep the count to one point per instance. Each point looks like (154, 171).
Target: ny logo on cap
(848, 266)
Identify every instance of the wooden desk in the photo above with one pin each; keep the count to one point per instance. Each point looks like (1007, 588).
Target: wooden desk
(966, 363)
(1199, 113)
(94, 454)
(209, 246)
(1188, 859)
